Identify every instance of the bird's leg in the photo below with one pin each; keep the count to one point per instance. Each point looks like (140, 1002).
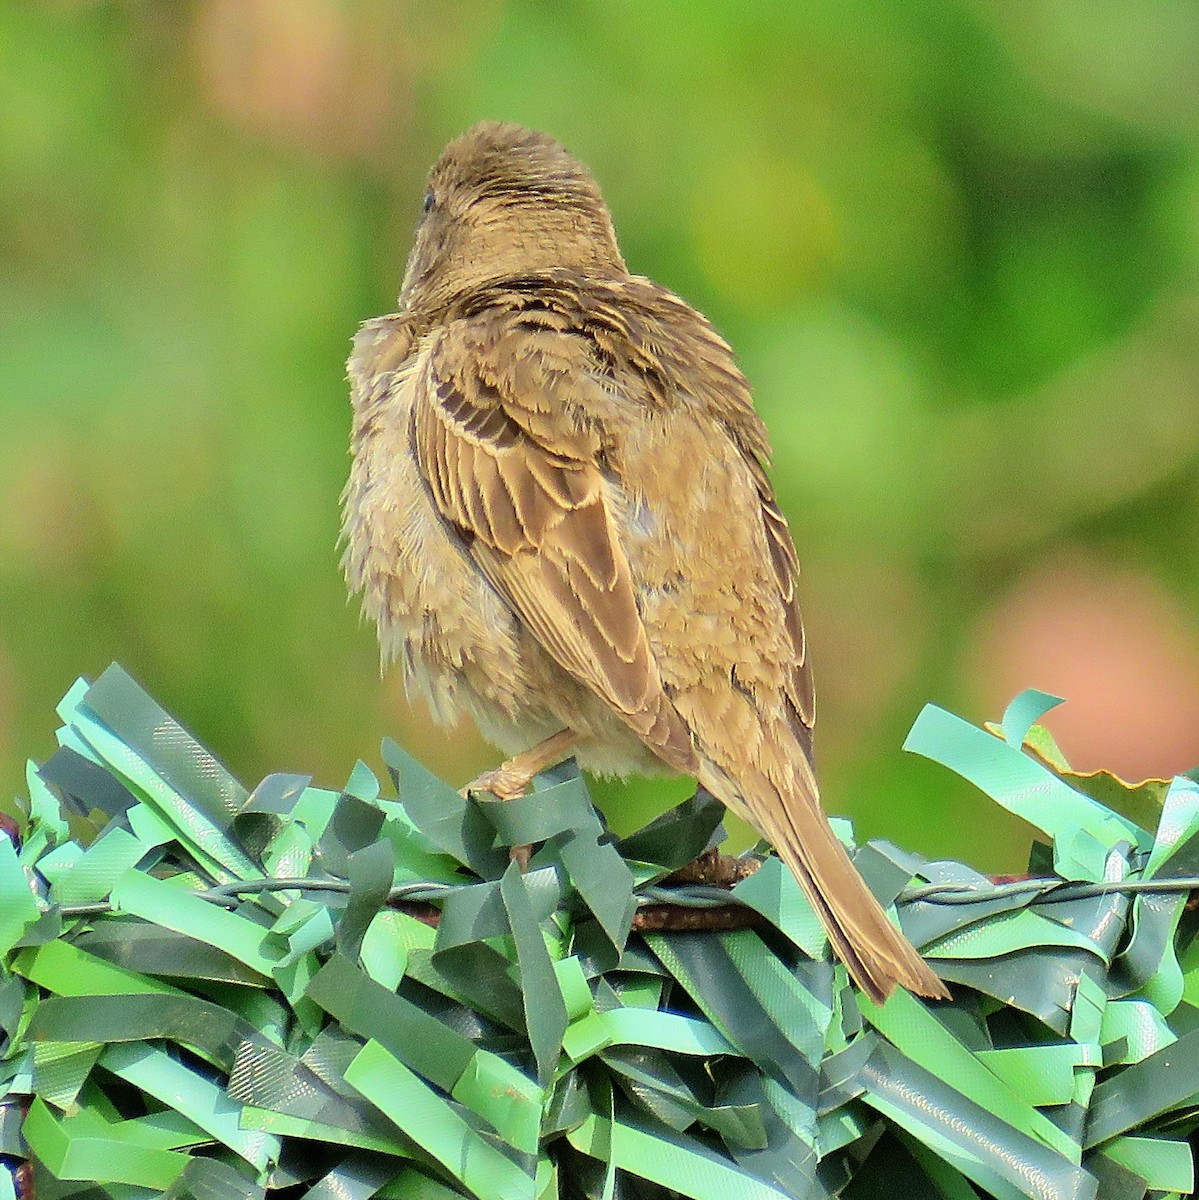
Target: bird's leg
(511, 779)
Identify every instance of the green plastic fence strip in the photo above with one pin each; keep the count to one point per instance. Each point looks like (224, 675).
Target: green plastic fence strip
(1008, 1163)
(573, 985)
(92, 876)
(603, 882)
(54, 864)
(311, 1095)
(47, 827)
(1163, 1081)
(148, 951)
(776, 1069)
(1164, 1165)
(1151, 955)
(1039, 1075)
(212, 847)
(363, 783)
(482, 1081)
(690, 1169)
(914, 1030)
(357, 1177)
(159, 902)
(68, 706)
(97, 1158)
(1024, 712)
(663, 1030)
(18, 906)
(289, 852)
(383, 955)
(597, 873)
(1115, 1181)
(210, 1179)
(160, 740)
(288, 1125)
(371, 870)
(1026, 788)
(950, 1183)
(801, 1017)
(451, 822)
(369, 1010)
(305, 926)
(166, 1130)
(11, 1116)
(434, 1126)
(149, 827)
(534, 817)
(1005, 934)
(678, 836)
(477, 971)
(545, 1009)
(413, 1184)
(314, 810)
(212, 1031)
(508, 1101)
(1176, 832)
(354, 825)
(727, 1000)
(1138, 1025)
(655, 1083)
(1148, 963)
(68, 971)
(195, 1097)
(61, 1069)
(773, 891)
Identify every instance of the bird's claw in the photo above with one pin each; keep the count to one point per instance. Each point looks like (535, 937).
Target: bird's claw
(502, 783)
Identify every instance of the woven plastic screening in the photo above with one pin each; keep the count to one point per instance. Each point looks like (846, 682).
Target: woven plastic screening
(216, 993)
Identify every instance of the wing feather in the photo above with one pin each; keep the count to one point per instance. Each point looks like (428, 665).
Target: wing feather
(799, 689)
(511, 467)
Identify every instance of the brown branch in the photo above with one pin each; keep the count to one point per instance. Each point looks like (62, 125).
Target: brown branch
(654, 917)
(715, 870)
(422, 910)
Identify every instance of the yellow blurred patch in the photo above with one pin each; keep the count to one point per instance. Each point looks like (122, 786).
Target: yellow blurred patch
(765, 230)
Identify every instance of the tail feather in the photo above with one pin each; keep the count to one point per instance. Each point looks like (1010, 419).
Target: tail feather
(875, 952)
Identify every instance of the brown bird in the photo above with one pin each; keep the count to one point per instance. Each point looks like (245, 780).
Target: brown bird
(559, 517)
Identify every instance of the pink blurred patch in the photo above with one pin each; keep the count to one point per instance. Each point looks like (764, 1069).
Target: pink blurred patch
(1121, 649)
(330, 77)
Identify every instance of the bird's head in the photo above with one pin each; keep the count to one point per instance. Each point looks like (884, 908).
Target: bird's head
(506, 202)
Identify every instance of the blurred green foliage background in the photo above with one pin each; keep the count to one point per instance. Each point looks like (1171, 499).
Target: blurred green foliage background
(955, 243)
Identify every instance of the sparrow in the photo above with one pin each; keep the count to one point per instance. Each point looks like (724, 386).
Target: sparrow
(558, 515)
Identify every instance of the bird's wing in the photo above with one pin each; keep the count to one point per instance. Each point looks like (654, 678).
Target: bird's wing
(799, 688)
(706, 361)
(501, 440)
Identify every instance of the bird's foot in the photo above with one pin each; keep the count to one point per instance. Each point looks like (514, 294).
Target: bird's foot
(512, 779)
(504, 783)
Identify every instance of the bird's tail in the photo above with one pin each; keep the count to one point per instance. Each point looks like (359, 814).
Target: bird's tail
(874, 951)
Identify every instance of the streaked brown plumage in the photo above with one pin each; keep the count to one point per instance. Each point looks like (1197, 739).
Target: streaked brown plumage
(558, 516)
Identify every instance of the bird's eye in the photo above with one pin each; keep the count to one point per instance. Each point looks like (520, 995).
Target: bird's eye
(430, 200)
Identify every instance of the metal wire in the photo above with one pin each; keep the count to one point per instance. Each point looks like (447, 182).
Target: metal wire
(1048, 890)
(1054, 891)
